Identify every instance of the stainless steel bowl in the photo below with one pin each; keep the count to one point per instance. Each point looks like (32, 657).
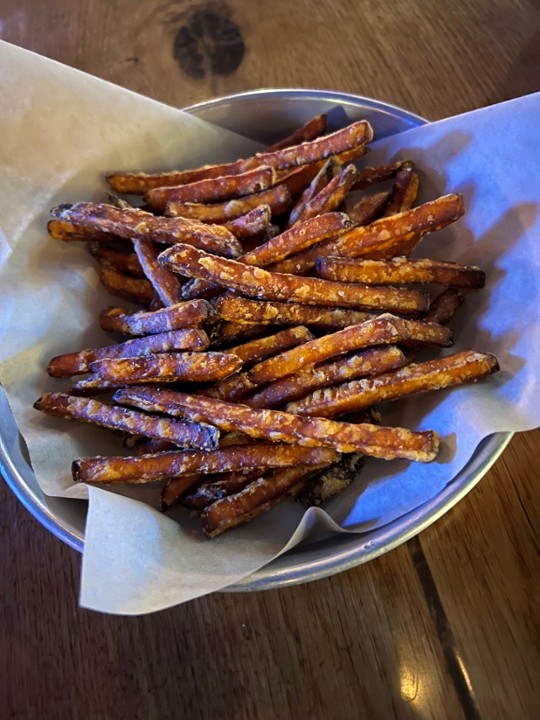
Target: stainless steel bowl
(265, 116)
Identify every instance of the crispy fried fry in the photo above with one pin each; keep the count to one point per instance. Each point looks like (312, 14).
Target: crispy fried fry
(368, 208)
(369, 362)
(174, 317)
(253, 223)
(185, 434)
(443, 308)
(352, 137)
(320, 181)
(165, 283)
(383, 442)
(216, 489)
(257, 497)
(257, 282)
(314, 128)
(329, 198)
(382, 239)
(405, 190)
(175, 487)
(277, 198)
(67, 231)
(382, 330)
(124, 262)
(148, 468)
(400, 270)
(456, 369)
(190, 367)
(371, 175)
(78, 362)
(257, 350)
(299, 179)
(213, 189)
(238, 309)
(232, 332)
(131, 223)
(137, 290)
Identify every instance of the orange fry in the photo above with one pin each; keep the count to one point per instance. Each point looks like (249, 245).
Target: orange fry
(443, 308)
(148, 468)
(314, 128)
(137, 290)
(456, 369)
(254, 222)
(369, 362)
(352, 137)
(368, 208)
(78, 362)
(260, 283)
(173, 317)
(165, 283)
(257, 350)
(130, 223)
(400, 270)
(184, 434)
(67, 231)
(329, 198)
(320, 181)
(213, 189)
(239, 309)
(383, 442)
(372, 175)
(277, 198)
(186, 366)
(405, 190)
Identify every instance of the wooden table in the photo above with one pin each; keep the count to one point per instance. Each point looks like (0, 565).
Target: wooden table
(445, 626)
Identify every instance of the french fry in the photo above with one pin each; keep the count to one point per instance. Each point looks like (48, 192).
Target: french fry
(329, 198)
(260, 283)
(383, 330)
(69, 364)
(277, 198)
(238, 309)
(349, 138)
(382, 239)
(320, 180)
(213, 189)
(314, 128)
(256, 498)
(443, 308)
(368, 362)
(257, 350)
(186, 366)
(173, 317)
(400, 270)
(149, 468)
(130, 223)
(368, 208)
(137, 290)
(175, 488)
(165, 283)
(405, 190)
(211, 490)
(67, 231)
(233, 332)
(297, 180)
(383, 442)
(182, 433)
(456, 369)
(372, 175)
(251, 224)
(124, 262)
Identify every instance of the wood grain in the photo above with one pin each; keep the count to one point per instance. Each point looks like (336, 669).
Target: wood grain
(445, 627)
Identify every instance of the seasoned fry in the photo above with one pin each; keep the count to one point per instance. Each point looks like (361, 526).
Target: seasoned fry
(314, 128)
(456, 369)
(257, 350)
(257, 282)
(213, 189)
(405, 190)
(210, 491)
(382, 239)
(184, 434)
(320, 181)
(67, 231)
(354, 136)
(230, 332)
(368, 362)
(400, 270)
(175, 488)
(124, 262)
(369, 208)
(238, 309)
(78, 362)
(137, 290)
(148, 468)
(372, 175)
(382, 330)
(186, 366)
(299, 179)
(130, 223)
(164, 282)
(329, 198)
(256, 498)
(382, 442)
(277, 198)
(173, 317)
(443, 308)
(253, 223)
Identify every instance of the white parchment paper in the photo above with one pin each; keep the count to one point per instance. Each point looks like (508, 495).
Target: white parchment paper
(62, 130)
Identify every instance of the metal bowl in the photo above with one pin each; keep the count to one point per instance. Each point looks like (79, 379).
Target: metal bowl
(266, 116)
